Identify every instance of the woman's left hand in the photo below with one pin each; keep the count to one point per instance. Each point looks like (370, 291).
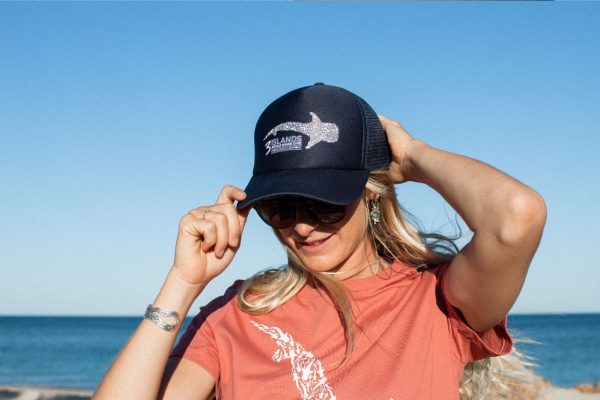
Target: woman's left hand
(401, 143)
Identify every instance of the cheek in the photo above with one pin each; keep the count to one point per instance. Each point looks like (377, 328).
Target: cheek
(356, 228)
(353, 234)
(358, 240)
(287, 236)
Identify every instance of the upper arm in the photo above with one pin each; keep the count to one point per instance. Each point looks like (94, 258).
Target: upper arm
(486, 276)
(185, 380)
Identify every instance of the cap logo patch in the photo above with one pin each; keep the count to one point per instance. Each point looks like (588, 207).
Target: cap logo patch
(316, 131)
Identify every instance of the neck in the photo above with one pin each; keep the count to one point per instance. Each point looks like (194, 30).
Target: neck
(369, 265)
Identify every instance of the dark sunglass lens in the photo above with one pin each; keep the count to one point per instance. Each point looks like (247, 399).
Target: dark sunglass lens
(281, 213)
(328, 213)
(276, 213)
(331, 218)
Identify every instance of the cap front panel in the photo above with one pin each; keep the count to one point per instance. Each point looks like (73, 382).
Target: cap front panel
(312, 127)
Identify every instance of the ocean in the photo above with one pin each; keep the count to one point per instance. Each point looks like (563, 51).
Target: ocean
(75, 352)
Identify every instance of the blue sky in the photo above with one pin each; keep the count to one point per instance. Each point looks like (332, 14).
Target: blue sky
(118, 118)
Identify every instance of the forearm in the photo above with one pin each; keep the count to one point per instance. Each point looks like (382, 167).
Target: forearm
(137, 371)
(486, 198)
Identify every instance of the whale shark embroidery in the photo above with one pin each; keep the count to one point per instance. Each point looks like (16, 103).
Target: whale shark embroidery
(316, 130)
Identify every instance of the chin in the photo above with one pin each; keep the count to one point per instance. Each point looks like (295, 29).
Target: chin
(319, 263)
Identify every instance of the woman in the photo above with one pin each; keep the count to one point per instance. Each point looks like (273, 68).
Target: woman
(367, 307)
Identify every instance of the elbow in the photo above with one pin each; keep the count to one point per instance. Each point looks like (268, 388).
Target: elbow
(525, 218)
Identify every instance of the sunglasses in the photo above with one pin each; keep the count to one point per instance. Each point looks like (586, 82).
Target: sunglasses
(282, 212)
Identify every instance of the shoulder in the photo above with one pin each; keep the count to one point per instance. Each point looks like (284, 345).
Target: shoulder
(436, 273)
(425, 275)
(219, 302)
(470, 345)
(218, 307)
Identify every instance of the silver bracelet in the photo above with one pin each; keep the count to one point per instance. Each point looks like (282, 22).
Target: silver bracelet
(154, 314)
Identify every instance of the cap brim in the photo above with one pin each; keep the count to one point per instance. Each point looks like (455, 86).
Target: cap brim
(330, 185)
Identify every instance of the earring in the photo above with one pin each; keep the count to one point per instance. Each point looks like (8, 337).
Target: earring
(375, 213)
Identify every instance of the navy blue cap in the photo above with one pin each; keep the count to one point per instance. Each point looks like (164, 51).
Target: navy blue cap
(318, 141)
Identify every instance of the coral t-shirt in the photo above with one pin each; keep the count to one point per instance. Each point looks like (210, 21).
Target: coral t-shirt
(410, 343)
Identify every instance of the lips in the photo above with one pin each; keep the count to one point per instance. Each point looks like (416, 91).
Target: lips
(314, 244)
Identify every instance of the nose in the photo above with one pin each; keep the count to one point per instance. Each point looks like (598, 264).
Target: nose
(305, 223)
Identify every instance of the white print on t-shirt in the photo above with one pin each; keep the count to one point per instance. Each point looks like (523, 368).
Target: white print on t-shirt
(307, 371)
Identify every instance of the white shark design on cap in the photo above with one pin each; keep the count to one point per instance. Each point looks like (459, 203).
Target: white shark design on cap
(316, 130)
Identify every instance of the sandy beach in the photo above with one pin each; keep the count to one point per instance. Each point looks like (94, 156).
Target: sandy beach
(554, 393)
(44, 393)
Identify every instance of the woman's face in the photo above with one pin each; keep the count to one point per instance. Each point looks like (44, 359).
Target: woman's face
(341, 247)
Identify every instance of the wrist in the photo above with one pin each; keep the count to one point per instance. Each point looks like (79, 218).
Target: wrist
(177, 294)
(411, 160)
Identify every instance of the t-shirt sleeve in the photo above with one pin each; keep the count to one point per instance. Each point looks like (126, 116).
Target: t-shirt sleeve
(470, 345)
(198, 343)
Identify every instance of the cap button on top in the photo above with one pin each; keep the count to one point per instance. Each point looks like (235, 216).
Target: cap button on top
(318, 83)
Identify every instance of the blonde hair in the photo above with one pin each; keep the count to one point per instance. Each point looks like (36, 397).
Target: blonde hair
(394, 239)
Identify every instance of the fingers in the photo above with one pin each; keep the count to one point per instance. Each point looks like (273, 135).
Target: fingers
(218, 227)
(394, 131)
(209, 235)
(215, 235)
(234, 226)
(229, 194)
(386, 121)
(243, 215)
(194, 229)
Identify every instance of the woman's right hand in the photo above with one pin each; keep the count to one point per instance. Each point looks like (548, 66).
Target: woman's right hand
(207, 241)
(209, 237)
